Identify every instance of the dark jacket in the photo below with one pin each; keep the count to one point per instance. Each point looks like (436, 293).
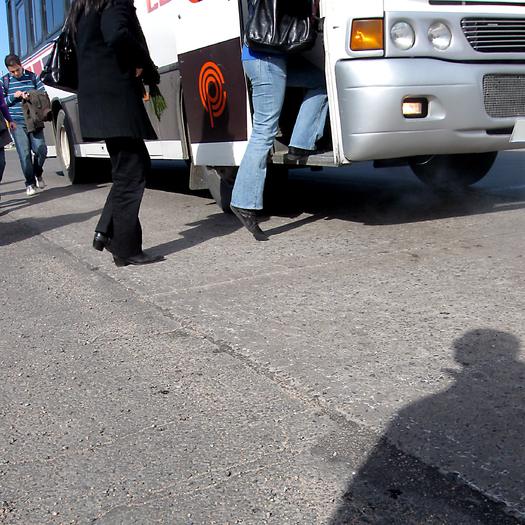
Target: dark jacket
(36, 110)
(5, 137)
(109, 49)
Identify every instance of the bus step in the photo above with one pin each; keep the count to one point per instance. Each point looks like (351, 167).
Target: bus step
(325, 158)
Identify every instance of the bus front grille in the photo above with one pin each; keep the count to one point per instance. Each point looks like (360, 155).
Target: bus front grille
(504, 95)
(495, 35)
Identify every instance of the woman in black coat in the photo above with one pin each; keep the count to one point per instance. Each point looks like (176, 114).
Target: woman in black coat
(113, 64)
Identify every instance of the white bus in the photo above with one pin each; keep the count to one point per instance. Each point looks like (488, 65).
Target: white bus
(438, 85)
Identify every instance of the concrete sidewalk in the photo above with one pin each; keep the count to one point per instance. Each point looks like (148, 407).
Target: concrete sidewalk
(123, 400)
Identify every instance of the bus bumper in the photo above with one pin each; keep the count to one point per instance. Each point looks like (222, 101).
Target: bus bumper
(371, 92)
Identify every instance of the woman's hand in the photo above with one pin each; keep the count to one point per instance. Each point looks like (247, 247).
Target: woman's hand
(12, 125)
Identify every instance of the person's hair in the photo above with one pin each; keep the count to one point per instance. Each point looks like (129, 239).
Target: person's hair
(84, 6)
(12, 60)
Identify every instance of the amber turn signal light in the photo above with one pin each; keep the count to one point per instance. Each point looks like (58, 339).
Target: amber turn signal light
(367, 34)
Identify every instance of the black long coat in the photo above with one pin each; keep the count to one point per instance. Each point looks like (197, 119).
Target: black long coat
(109, 50)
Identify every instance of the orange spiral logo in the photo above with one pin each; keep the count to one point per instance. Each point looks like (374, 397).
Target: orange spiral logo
(213, 96)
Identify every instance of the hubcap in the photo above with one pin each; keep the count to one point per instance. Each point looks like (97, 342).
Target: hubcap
(64, 148)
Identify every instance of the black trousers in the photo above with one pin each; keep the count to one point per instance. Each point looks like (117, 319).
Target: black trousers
(130, 163)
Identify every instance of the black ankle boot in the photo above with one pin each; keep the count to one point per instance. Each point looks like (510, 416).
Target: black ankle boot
(296, 154)
(249, 220)
(100, 241)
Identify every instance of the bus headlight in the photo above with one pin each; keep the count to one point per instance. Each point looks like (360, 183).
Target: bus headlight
(402, 35)
(439, 35)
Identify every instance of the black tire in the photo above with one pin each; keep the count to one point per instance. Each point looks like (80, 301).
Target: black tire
(446, 172)
(75, 168)
(220, 182)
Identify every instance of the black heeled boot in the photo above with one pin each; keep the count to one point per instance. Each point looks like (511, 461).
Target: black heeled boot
(296, 154)
(100, 241)
(250, 222)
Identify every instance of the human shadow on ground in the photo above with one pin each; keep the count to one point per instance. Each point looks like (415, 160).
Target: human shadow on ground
(23, 229)
(458, 452)
(45, 195)
(380, 199)
(220, 225)
(12, 205)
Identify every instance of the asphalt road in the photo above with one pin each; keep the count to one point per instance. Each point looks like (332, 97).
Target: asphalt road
(365, 365)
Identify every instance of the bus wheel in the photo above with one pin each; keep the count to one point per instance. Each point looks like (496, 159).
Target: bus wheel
(446, 172)
(220, 182)
(74, 167)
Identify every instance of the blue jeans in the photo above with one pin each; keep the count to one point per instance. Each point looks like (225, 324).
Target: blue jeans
(269, 78)
(31, 149)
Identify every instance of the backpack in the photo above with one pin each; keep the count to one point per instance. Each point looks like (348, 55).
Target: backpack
(7, 78)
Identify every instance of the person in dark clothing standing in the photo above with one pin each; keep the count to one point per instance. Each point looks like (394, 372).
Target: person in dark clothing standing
(113, 65)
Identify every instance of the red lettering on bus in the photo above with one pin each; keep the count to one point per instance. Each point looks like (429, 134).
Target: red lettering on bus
(154, 4)
(151, 7)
